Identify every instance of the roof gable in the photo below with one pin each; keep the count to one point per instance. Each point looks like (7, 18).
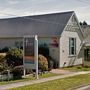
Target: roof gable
(73, 26)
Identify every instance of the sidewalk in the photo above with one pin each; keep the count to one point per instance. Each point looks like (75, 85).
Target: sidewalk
(84, 88)
(18, 84)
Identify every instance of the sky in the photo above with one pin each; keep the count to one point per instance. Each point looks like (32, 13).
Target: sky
(15, 8)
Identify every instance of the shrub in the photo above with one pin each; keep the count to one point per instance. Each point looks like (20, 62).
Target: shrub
(3, 64)
(14, 57)
(29, 71)
(17, 72)
(43, 63)
(5, 49)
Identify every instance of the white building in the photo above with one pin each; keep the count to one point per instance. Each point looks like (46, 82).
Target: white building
(61, 32)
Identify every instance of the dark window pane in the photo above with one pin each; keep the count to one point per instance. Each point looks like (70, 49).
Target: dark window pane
(72, 46)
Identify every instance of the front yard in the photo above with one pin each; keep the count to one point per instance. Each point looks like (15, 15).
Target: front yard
(77, 68)
(27, 78)
(61, 84)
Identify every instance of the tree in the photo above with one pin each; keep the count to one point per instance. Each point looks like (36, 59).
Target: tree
(43, 63)
(85, 23)
(3, 64)
(81, 23)
(14, 57)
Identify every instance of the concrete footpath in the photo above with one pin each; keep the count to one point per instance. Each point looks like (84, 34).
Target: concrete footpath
(84, 88)
(19, 84)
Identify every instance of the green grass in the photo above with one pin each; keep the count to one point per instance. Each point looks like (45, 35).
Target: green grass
(61, 84)
(28, 78)
(77, 68)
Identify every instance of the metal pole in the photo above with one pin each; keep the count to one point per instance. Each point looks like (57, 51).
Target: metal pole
(8, 74)
(36, 55)
(24, 70)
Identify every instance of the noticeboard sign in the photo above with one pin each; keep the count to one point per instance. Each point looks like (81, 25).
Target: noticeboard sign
(29, 52)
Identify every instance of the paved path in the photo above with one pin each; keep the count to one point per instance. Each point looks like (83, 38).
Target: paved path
(60, 71)
(14, 85)
(84, 88)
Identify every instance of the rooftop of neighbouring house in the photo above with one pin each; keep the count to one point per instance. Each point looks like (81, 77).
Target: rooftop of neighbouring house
(86, 32)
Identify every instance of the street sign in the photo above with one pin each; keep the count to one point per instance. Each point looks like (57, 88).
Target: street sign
(30, 55)
(29, 44)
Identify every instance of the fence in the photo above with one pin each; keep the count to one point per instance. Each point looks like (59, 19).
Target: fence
(6, 77)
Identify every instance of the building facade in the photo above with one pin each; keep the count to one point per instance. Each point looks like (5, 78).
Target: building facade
(60, 32)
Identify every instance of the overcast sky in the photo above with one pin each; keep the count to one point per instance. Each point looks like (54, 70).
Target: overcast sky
(9, 8)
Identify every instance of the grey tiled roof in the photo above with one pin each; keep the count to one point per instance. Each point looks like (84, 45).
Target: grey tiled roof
(42, 25)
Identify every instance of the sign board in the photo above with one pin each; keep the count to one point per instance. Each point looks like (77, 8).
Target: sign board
(29, 52)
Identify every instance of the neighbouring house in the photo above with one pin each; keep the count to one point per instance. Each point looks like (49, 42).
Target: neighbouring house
(60, 32)
(86, 44)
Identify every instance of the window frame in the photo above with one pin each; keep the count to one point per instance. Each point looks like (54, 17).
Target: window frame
(72, 46)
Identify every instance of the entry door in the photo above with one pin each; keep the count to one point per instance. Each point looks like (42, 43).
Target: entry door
(87, 54)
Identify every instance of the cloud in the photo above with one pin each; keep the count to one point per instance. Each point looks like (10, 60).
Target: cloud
(13, 1)
(32, 7)
(83, 13)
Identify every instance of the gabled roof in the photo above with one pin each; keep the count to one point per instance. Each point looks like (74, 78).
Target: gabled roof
(42, 25)
(86, 32)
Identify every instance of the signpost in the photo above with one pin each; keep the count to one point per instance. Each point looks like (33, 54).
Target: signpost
(30, 56)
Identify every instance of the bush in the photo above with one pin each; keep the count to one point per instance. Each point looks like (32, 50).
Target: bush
(14, 57)
(43, 63)
(4, 50)
(29, 71)
(17, 72)
(3, 64)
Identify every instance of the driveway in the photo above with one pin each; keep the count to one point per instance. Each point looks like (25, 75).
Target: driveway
(60, 71)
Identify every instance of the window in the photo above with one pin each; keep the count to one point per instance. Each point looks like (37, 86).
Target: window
(87, 54)
(19, 44)
(72, 46)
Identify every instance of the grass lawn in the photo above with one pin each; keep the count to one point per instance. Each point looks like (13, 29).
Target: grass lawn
(29, 78)
(61, 84)
(77, 68)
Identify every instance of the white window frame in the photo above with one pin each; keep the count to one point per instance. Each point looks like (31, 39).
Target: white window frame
(72, 46)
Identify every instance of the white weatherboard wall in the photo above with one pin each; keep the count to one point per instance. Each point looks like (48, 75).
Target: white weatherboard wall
(64, 49)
